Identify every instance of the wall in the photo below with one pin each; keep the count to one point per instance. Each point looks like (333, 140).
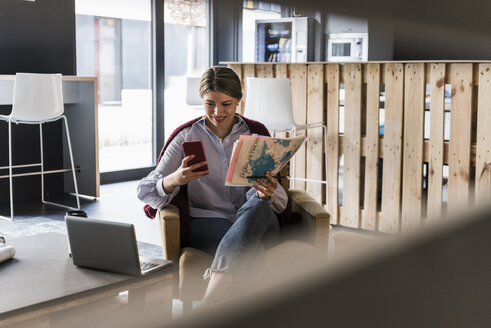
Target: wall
(37, 36)
(430, 42)
(338, 23)
(422, 29)
(380, 41)
(224, 31)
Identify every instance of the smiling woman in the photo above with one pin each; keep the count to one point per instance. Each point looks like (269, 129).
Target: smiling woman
(230, 223)
(220, 112)
(221, 91)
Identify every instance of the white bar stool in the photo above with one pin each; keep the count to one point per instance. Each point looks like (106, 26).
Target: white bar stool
(38, 99)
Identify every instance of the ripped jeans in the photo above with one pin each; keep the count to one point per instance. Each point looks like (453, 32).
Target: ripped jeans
(236, 245)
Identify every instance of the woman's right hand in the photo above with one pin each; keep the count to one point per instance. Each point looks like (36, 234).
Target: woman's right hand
(183, 175)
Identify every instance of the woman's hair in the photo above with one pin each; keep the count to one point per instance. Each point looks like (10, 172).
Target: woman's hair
(221, 79)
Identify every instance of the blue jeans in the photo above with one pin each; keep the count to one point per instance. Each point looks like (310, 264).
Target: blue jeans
(236, 245)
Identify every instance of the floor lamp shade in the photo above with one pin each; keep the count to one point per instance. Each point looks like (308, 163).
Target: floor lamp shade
(269, 101)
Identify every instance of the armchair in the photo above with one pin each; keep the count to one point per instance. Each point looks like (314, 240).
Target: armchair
(313, 226)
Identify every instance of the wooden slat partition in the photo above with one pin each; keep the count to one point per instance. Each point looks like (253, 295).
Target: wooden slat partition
(412, 174)
(369, 213)
(398, 194)
(437, 119)
(460, 136)
(315, 103)
(391, 181)
(352, 135)
(298, 79)
(264, 70)
(238, 69)
(483, 149)
(332, 78)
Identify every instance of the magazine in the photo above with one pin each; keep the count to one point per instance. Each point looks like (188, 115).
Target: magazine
(252, 156)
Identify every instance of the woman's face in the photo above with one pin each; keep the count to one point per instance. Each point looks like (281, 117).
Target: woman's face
(220, 111)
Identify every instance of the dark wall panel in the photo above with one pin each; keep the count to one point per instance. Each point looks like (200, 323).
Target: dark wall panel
(37, 36)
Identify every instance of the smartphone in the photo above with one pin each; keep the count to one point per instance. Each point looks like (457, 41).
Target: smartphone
(195, 148)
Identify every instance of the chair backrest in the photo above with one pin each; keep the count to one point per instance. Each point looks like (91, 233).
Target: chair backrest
(269, 101)
(37, 97)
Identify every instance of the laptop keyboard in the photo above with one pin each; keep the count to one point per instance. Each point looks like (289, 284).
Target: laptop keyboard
(146, 265)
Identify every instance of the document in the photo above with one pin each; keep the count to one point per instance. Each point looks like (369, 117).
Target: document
(252, 156)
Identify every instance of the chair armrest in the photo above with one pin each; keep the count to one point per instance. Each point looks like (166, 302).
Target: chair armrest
(169, 230)
(312, 214)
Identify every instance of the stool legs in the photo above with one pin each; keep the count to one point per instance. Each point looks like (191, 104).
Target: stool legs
(42, 160)
(10, 167)
(71, 161)
(72, 166)
(42, 172)
(10, 174)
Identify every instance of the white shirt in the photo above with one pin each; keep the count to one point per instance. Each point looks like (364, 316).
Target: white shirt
(207, 196)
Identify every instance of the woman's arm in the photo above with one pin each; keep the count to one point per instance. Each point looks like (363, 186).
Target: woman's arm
(162, 184)
(151, 189)
(270, 190)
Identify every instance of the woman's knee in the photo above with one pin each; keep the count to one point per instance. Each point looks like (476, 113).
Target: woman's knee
(258, 206)
(258, 210)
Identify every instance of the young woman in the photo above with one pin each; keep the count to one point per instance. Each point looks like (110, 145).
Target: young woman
(231, 223)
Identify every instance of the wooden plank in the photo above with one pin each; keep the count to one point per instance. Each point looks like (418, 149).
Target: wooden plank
(369, 217)
(315, 113)
(412, 168)
(264, 70)
(437, 119)
(483, 140)
(248, 70)
(281, 70)
(352, 138)
(460, 136)
(238, 70)
(389, 216)
(332, 78)
(298, 79)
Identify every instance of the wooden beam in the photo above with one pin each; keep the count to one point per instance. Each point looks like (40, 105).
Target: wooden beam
(412, 167)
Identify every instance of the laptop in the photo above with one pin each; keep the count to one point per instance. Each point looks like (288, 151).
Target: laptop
(109, 246)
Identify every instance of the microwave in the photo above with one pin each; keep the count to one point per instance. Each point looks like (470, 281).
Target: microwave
(346, 47)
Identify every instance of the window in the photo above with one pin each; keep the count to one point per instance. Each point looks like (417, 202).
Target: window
(114, 44)
(186, 57)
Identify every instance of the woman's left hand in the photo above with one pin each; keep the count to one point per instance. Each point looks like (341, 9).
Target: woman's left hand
(266, 187)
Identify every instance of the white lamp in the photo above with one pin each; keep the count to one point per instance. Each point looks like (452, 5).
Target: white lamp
(269, 101)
